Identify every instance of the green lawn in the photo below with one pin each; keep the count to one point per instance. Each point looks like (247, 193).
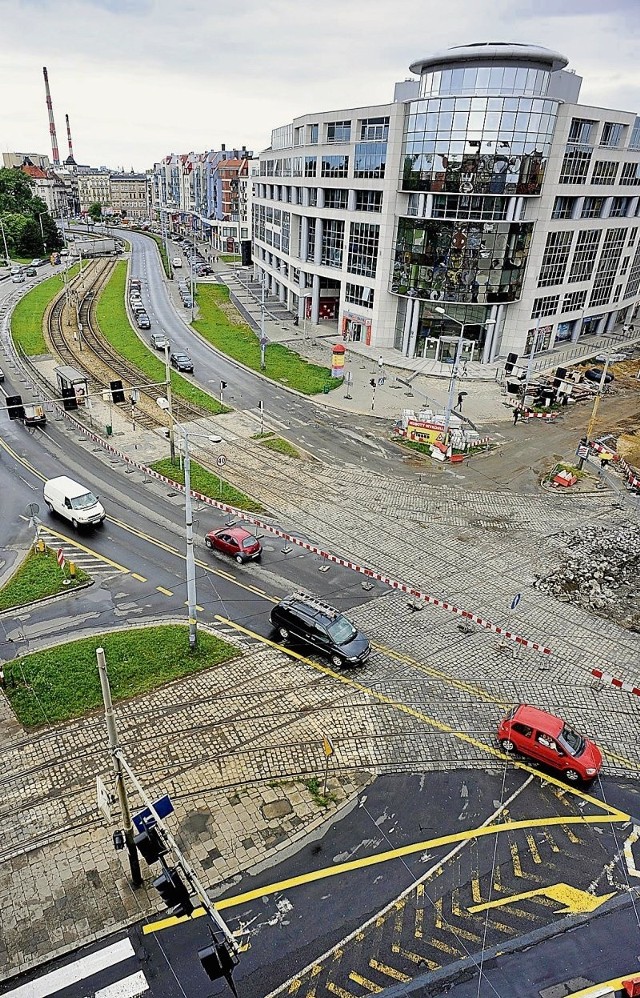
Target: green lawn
(208, 484)
(62, 682)
(220, 324)
(280, 446)
(28, 315)
(38, 576)
(115, 326)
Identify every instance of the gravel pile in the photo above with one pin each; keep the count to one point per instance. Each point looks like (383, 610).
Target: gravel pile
(600, 571)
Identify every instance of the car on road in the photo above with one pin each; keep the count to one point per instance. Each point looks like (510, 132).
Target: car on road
(306, 618)
(38, 262)
(158, 341)
(15, 270)
(143, 321)
(177, 262)
(187, 302)
(74, 502)
(30, 272)
(237, 542)
(204, 270)
(18, 278)
(548, 739)
(138, 306)
(182, 361)
(595, 374)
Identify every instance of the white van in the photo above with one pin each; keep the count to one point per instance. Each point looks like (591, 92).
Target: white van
(177, 262)
(73, 501)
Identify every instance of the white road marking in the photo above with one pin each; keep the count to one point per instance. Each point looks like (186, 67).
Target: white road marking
(74, 972)
(128, 987)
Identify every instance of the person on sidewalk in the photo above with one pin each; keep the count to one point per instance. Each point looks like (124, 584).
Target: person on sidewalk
(461, 396)
(516, 415)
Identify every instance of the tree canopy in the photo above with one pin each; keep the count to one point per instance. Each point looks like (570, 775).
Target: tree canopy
(25, 217)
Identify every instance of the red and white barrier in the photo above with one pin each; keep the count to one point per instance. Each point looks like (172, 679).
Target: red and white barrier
(369, 573)
(612, 681)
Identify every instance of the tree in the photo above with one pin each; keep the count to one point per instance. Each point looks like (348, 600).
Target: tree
(95, 211)
(25, 217)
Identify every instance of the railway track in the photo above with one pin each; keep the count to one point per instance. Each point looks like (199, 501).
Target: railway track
(91, 353)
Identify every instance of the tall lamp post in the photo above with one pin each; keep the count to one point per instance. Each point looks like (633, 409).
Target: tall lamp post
(456, 364)
(263, 335)
(40, 214)
(4, 242)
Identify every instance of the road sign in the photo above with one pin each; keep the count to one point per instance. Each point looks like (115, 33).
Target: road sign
(582, 451)
(221, 460)
(327, 746)
(516, 599)
(163, 807)
(60, 558)
(263, 341)
(104, 799)
(33, 509)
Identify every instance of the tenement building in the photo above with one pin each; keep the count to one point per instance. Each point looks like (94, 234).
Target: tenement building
(484, 196)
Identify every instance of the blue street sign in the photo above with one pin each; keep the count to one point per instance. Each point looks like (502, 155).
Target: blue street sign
(145, 818)
(516, 599)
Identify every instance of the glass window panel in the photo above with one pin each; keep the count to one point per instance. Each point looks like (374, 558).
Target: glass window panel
(446, 80)
(511, 103)
(495, 80)
(445, 121)
(525, 104)
(520, 81)
(463, 103)
(476, 120)
(470, 75)
(482, 78)
(448, 104)
(508, 121)
(457, 80)
(522, 121)
(509, 78)
(492, 120)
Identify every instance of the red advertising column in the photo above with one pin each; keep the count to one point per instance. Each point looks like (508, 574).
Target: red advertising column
(337, 360)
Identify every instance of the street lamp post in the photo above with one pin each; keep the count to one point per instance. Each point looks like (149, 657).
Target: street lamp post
(191, 561)
(263, 337)
(167, 374)
(4, 242)
(456, 365)
(40, 214)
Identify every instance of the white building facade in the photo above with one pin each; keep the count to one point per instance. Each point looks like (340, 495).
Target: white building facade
(484, 190)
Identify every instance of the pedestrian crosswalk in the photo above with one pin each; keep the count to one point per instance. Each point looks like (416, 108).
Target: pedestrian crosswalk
(100, 975)
(91, 562)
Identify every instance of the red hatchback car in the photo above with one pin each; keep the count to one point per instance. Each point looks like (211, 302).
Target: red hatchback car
(235, 541)
(547, 738)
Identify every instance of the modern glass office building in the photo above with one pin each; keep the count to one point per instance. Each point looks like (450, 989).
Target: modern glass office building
(481, 184)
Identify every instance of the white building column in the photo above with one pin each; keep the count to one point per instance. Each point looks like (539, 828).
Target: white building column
(315, 300)
(320, 196)
(317, 251)
(497, 313)
(426, 206)
(304, 237)
(351, 200)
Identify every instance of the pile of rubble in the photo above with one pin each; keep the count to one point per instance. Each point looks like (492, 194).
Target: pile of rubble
(600, 571)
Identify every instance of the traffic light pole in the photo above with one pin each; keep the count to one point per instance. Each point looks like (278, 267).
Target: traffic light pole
(121, 790)
(188, 870)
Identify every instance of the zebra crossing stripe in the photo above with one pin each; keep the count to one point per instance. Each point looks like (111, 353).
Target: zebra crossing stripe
(74, 972)
(128, 987)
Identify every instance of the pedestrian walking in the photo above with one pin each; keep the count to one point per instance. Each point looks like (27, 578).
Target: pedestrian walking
(516, 415)
(461, 396)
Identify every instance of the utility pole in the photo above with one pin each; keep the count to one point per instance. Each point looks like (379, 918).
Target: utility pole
(121, 790)
(167, 375)
(263, 338)
(191, 563)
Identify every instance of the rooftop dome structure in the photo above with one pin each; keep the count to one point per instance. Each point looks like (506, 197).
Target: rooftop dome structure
(491, 54)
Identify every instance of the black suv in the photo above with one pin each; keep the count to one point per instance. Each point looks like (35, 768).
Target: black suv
(306, 618)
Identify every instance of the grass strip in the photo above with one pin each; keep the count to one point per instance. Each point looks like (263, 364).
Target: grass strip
(220, 323)
(60, 683)
(280, 446)
(28, 316)
(207, 483)
(38, 576)
(115, 326)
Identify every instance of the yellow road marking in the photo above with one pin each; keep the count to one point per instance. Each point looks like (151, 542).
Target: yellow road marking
(572, 836)
(419, 959)
(382, 968)
(551, 842)
(365, 983)
(533, 848)
(200, 609)
(572, 900)
(419, 919)
(597, 989)
(444, 947)
(475, 890)
(340, 992)
(165, 592)
(615, 814)
(515, 859)
(140, 578)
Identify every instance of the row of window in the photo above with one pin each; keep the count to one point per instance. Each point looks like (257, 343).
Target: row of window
(272, 226)
(595, 207)
(368, 130)
(583, 131)
(369, 161)
(575, 169)
(605, 246)
(323, 197)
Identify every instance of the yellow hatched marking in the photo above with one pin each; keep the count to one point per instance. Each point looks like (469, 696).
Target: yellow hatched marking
(515, 859)
(497, 882)
(165, 592)
(439, 921)
(476, 893)
(444, 947)
(551, 842)
(418, 958)
(364, 982)
(295, 986)
(419, 923)
(335, 990)
(533, 849)
(571, 835)
(382, 968)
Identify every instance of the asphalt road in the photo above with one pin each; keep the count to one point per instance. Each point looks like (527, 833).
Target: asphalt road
(374, 904)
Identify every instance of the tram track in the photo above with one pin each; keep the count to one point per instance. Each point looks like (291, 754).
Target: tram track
(74, 335)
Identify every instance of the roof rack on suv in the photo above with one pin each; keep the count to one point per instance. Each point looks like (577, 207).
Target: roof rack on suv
(315, 603)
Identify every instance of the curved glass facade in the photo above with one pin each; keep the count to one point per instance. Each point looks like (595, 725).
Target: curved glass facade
(477, 145)
(476, 262)
(478, 80)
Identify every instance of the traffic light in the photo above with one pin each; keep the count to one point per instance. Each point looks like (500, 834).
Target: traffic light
(510, 362)
(223, 385)
(372, 382)
(117, 391)
(218, 961)
(15, 407)
(150, 845)
(174, 892)
(69, 400)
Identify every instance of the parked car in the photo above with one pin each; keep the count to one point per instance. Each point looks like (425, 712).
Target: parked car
(38, 262)
(30, 272)
(236, 542)
(187, 302)
(305, 618)
(138, 306)
(595, 374)
(546, 738)
(18, 278)
(158, 341)
(143, 320)
(204, 270)
(182, 362)
(177, 262)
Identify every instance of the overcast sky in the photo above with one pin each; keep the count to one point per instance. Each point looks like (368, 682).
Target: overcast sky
(143, 78)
